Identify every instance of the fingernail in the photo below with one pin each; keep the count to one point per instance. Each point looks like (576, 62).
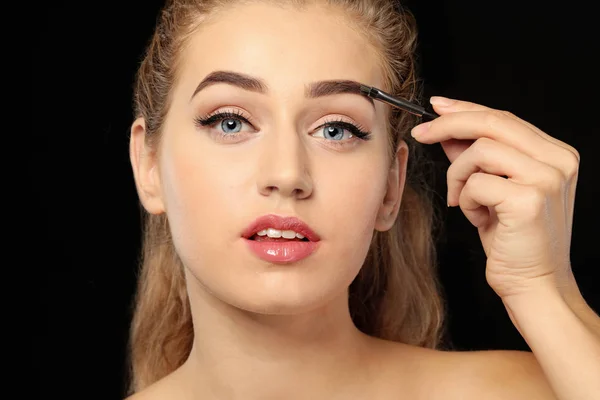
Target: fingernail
(441, 101)
(420, 129)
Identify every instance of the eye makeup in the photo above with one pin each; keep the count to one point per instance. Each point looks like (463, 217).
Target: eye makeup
(211, 120)
(354, 129)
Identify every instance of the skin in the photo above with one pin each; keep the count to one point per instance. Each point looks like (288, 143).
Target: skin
(294, 319)
(267, 331)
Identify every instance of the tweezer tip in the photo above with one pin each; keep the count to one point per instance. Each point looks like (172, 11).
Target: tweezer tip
(429, 115)
(365, 90)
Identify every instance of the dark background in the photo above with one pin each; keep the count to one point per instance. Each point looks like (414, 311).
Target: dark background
(532, 59)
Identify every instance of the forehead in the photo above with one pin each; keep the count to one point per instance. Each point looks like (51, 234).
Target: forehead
(285, 46)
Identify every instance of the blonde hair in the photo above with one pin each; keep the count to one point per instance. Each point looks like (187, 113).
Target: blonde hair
(396, 295)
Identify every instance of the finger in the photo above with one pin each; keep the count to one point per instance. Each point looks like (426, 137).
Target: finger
(472, 125)
(454, 148)
(480, 192)
(444, 105)
(492, 157)
(570, 162)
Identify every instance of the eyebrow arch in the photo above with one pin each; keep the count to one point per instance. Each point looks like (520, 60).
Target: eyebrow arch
(243, 81)
(327, 88)
(252, 84)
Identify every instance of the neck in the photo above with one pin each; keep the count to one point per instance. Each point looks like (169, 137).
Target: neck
(239, 354)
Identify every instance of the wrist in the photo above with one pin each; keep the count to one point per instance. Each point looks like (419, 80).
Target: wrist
(531, 299)
(534, 291)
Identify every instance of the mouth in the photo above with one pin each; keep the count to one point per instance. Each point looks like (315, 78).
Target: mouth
(265, 238)
(275, 228)
(281, 240)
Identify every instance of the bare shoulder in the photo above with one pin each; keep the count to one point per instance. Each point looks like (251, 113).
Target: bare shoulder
(153, 392)
(501, 374)
(165, 388)
(492, 374)
(510, 374)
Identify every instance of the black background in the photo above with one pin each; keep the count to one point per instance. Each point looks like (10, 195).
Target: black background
(532, 59)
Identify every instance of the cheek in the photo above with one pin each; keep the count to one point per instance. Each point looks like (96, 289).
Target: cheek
(193, 183)
(354, 199)
(201, 190)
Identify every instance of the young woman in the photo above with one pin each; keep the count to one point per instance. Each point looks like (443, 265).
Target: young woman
(287, 249)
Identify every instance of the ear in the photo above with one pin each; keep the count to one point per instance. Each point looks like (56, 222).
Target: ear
(390, 206)
(145, 169)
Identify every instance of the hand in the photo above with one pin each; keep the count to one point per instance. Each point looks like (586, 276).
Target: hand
(516, 184)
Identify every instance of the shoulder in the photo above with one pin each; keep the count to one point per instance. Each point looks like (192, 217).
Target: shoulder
(490, 374)
(168, 387)
(502, 374)
(150, 393)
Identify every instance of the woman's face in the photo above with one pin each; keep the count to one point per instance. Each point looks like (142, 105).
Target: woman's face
(271, 153)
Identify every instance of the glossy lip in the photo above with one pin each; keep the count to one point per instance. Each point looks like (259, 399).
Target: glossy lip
(280, 223)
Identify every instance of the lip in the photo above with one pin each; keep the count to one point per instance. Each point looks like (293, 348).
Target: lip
(281, 252)
(280, 223)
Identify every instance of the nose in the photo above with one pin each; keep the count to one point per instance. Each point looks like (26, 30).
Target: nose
(283, 167)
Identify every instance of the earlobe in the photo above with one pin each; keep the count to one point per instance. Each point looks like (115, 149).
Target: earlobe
(388, 212)
(145, 171)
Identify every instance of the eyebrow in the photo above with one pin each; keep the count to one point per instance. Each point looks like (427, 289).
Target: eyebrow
(257, 85)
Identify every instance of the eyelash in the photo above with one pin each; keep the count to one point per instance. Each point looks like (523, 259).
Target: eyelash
(212, 119)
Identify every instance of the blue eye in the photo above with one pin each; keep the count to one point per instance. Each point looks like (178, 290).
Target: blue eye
(231, 125)
(340, 130)
(333, 132)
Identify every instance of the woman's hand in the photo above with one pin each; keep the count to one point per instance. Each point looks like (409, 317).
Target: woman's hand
(516, 184)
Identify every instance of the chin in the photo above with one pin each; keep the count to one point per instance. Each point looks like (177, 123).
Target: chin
(259, 287)
(288, 298)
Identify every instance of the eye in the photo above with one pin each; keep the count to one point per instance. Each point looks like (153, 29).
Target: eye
(229, 122)
(333, 132)
(340, 131)
(231, 125)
